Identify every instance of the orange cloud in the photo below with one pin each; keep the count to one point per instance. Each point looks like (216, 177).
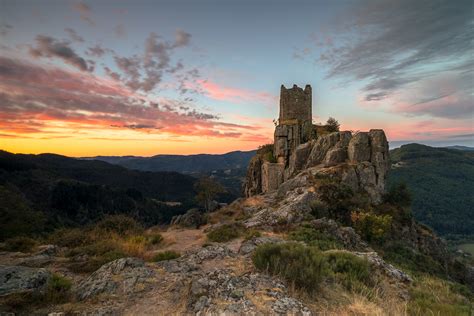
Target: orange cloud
(221, 93)
(45, 103)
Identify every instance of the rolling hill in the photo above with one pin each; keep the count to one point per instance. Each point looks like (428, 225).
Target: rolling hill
(442, 183)
(187, 164)
(54, 190)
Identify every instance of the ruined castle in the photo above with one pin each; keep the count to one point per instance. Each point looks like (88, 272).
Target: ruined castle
(361, 160)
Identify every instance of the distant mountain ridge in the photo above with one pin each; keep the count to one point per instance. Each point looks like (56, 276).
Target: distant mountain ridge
(188, 164)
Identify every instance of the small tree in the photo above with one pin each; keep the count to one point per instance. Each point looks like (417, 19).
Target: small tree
(206, 191)
(332, 125)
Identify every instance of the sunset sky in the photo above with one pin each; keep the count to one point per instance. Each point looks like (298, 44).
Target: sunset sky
(183, 77)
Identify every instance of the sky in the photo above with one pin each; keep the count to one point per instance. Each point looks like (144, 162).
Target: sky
(86, 78)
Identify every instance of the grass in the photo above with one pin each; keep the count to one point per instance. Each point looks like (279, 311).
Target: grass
(166, 255)
(435, 296)
(313, 237)
(351, 271)
(112, 238)
(21, 244)
(225, 233)
(303, 267)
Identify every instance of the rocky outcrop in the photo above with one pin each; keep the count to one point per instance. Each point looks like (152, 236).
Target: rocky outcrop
(18, 279)
(193, 218)
(345, 235)
(122, 276)
(360, 161)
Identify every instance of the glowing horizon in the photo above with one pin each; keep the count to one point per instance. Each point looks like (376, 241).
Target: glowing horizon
(136, 78)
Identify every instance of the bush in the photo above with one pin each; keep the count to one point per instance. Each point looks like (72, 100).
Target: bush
(225, 233)
(314, 237)
(251, 233)
(370, 226)
(166, 255)
(22, 244)
(69, 237)
(301, 266)
(353, 272)
(58, 289)
(120, 224)
(154, 239)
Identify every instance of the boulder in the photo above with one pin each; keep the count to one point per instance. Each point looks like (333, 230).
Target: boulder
(335, 156)
(193, 218)
(18, 279)
(122, 276)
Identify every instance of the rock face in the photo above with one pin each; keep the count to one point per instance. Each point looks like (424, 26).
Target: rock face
(18, 279)
(253, 181)
(123, 276)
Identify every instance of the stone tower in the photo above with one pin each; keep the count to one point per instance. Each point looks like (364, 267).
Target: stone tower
(295, 104)
(295, 121)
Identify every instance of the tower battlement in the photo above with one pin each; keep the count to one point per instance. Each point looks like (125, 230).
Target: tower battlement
(295, 104)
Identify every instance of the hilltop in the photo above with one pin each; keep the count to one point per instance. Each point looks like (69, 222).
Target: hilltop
(441, 181)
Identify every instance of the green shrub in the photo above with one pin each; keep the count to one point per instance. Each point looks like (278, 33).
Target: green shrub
(225, 233)
(301, 266)
(313, 237)
(58, 289)
(22, 244)
(154, 239)
(352, 271)
(120, 224)
(166, 255)
(69, 237)
(370, 226)
(252, 233)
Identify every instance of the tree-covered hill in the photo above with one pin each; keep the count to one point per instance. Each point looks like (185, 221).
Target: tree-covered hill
(442, 184)
(41, 191)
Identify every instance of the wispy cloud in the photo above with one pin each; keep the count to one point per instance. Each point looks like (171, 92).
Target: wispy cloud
(84, 12)
(394, 45)
(230, 94)
(49, 47)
